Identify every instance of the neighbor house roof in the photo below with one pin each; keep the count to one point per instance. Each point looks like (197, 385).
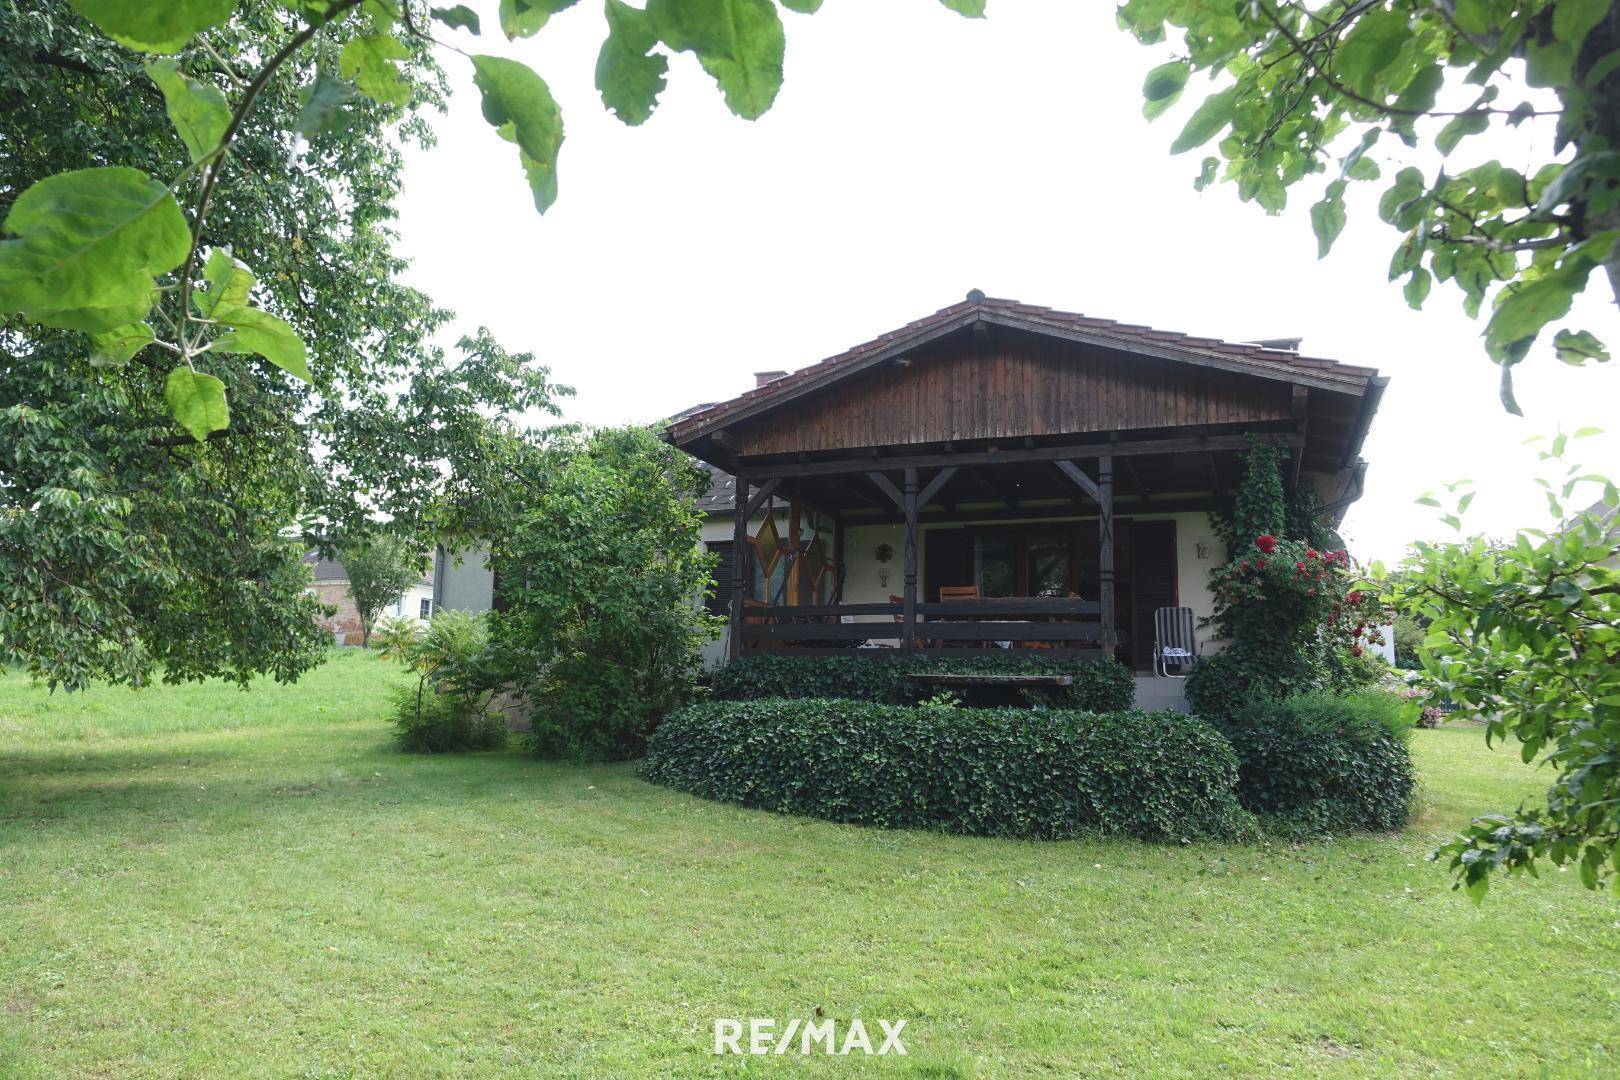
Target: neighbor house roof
(331, 571)
(1246, 357)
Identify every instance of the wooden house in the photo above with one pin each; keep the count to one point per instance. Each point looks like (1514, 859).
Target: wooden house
(999, 475)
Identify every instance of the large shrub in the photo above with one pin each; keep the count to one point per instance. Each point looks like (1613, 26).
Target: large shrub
(1321, 763)
(447, 709)
(1286, 600)
(858, 677)
(599, 573)
(1099, 685)
(1044, 773)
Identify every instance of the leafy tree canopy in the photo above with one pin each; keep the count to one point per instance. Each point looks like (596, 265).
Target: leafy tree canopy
(1306, 89)
(1525, 637)
(600, 577)
(380, 570)
(127, 542)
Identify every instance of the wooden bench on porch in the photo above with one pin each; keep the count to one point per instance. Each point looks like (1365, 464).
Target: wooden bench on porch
(998, 689)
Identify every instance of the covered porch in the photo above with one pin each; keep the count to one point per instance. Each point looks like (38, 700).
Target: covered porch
(1068, 548)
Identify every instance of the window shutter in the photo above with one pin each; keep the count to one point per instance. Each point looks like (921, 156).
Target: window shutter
(724, 577)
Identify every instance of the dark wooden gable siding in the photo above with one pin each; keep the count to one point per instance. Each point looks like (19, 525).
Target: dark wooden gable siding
(1019, 384)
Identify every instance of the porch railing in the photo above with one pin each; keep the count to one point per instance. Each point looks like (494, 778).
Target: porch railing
(1063, 625)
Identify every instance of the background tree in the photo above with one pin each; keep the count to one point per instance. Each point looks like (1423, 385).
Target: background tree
(600, 578)
(127, 544)
(379, 569)
(1325, 88)
(1525, 638)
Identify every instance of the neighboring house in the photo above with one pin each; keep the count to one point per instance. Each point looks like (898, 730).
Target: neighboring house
(1609, 517)
(331, 587)
(1061, 466)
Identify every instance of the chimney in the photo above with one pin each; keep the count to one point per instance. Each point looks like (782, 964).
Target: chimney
(763, 377)
(1284, 344)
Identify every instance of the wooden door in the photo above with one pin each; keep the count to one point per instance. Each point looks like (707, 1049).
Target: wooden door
(1153, 583)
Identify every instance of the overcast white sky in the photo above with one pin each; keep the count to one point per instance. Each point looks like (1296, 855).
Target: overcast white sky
(911, 156)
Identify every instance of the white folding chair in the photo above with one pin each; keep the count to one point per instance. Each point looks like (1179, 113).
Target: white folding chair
(1175, 641)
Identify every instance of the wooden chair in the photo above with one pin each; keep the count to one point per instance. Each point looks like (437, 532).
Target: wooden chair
(947, 593)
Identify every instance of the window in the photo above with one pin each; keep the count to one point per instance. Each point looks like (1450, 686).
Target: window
(427, 608)
(1021, 560)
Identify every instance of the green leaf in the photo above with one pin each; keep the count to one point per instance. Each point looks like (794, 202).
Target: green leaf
(524, 18)
(1577, 347)
(520, 106)
(256, 331)
(321, 105)
(1603, 165)
(156, 26)
(1523, 308)
(1572, 20)
(372, 62)
(460, 17)
(197, 401)
(251, 330)
(972, 9)
(89, 245)
(739, 43)
(1327, 219)
(119, 346)
(1152, 110)
(1549, 64)
(1408, 185)
(629, 75)
(1475, 16)
(1371, 46)
(1166, 80)
(1207, 122)
(803, 7)
(1417, 288)
(1459, 128)
(198, 111)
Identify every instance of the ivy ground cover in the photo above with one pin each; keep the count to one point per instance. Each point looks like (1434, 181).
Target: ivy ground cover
(200, 881)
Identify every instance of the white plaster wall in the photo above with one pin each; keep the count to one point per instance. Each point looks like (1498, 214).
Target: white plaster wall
(469, 583)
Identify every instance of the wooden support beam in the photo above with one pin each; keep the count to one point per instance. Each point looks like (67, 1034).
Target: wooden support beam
(741, 578)
(887, 487)
(1214, 475)
(793, 551)
(1080, 479)
(1105, 529)
(1301, 407)
(766, 490)
(908, 620)
(838, 560)
(940, 479)
(1185, 444)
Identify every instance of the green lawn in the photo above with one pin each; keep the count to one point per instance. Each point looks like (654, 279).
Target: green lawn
(201, 881)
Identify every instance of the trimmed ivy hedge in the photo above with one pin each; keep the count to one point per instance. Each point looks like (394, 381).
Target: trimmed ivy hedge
(1323, 763)
(1040, 773)
(1104, 685)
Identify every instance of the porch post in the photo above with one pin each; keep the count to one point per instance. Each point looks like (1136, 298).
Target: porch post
(908, 621)
(739, 567)
(1105, 526)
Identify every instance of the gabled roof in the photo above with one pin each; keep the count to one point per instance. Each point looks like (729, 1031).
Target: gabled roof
(1244, 357)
